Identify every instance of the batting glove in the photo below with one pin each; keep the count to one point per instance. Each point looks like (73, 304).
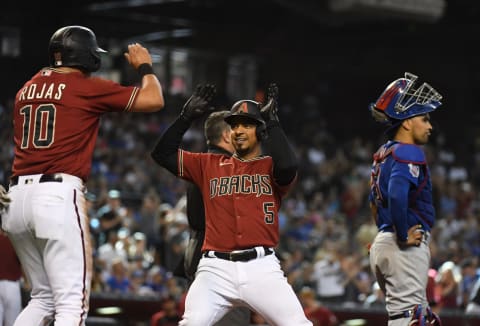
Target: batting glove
(270, 110)
(198, 103)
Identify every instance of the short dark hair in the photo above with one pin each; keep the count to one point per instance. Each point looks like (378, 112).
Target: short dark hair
(214, 126)
(392, 130)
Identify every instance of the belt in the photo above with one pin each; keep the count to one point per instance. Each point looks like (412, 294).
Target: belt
(57, 177)
(426, 234)
(405, 314)
(240, 255)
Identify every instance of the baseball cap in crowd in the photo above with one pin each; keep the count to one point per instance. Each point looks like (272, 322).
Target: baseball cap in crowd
(114, 194)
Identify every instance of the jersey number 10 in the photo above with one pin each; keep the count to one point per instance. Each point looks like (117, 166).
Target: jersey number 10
(43, 125)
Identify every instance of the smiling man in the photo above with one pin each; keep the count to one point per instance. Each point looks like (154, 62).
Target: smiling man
(242, 194)
(401, 200)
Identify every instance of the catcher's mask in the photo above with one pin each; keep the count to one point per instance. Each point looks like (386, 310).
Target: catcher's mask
(250, 110)
(75, 46)
(402, 99)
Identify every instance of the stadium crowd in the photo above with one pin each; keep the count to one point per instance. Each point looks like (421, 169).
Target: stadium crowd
(139, 227)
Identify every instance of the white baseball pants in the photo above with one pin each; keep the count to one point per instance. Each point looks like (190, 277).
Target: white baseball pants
(48, 227)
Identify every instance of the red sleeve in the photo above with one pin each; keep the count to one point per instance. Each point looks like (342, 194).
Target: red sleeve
(190, 166)
(107, 95)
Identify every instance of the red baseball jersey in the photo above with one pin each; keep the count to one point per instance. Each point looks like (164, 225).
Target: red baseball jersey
(56, 120)
(241, 199)
(10, 267)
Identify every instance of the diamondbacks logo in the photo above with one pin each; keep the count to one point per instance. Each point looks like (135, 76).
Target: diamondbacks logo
(414, 170)
(243, 108)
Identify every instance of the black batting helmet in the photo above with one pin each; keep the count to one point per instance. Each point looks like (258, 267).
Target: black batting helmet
(75, 46)
(251, 110)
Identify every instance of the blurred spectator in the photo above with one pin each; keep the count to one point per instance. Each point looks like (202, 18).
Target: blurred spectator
(329, 278)
(168, 316)
(175, 287)
(161, 217)
(137, 250)
(365, 235)
(447, 286)
(109, 251)
(147, 221)
(473, 306)
(318, 314)
(302, 276)
(464, 198)
(351, 201)
(138, 284)
(176, 238)
(119, 280)
(111, 215)
(156, 280)
(376, 297)
(358, 278)
(470, 275)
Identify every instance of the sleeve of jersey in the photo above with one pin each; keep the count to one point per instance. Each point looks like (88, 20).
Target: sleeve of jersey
(398, 187)
(110, 96)
(190, 166)
(276, 145)
(167, 149)
(405, 172)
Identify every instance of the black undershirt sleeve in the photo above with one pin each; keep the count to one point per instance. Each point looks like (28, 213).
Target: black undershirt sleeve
(276, 145)
(165, 152)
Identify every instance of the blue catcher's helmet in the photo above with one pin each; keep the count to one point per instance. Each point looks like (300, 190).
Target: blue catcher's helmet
(402, 100)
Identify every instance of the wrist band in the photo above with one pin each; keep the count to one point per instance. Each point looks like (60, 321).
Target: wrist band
(145, 69)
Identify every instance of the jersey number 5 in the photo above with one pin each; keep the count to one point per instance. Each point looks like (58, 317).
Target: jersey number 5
(43, 125)
(268, 210)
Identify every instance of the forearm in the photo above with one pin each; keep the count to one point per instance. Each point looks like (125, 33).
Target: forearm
(150, 96)
(398, 204)
(285, 164)
(166, 150)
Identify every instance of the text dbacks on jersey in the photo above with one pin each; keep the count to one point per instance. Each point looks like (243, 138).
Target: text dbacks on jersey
(258, 184)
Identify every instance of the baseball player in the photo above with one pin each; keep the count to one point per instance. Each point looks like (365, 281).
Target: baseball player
(242, 194)
(217, 133)
(56, 120)
(401, 200)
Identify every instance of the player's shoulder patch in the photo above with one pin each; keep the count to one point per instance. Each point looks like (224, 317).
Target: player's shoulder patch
(409, 153)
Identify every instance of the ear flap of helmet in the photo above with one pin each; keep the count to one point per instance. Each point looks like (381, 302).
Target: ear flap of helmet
(261, 132)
